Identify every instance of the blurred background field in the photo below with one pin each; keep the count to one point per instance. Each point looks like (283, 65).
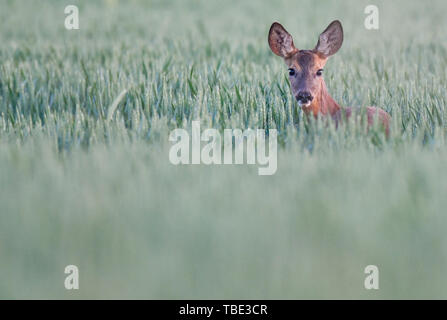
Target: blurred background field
(80, 187)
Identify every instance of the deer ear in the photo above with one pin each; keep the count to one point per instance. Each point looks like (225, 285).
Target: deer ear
(331, 39)
(280, 41)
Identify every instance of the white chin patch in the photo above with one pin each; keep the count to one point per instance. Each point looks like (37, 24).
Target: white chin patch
(304, 104)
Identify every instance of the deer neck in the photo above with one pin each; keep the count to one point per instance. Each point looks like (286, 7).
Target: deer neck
(323, 103)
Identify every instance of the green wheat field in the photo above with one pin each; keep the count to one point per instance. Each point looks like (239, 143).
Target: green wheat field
(85, 177)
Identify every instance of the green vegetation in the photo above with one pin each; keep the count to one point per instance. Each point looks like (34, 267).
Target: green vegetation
(85, 177)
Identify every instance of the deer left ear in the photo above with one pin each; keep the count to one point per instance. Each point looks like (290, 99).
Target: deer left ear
(280, 41)
(331, 39)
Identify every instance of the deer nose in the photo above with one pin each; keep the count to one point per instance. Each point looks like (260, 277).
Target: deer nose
(304, 96)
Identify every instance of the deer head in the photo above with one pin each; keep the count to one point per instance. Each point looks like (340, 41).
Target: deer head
(305, 67)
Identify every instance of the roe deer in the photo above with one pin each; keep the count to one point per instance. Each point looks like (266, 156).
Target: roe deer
(306, 70)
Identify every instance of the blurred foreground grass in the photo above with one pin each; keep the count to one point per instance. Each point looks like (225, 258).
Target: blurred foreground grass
(138, 227)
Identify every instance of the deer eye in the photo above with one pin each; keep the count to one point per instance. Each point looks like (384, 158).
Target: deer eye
(291, 72)
(319, 72)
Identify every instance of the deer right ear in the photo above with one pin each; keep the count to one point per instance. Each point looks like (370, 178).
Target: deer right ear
(330, 40)
(280, 41)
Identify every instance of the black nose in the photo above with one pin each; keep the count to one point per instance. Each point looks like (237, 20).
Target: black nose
(304, 96)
